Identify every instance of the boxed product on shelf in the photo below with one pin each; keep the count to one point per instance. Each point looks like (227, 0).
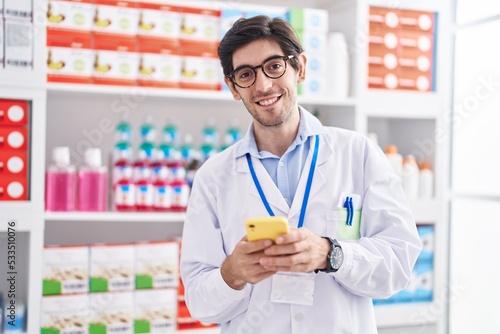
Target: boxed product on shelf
(112, 267)
(14, 189)
(159, 70)
(157, 265)
(115, 17)
(308, 19)
(184, 319)
(13, 112)
(20, 9)
(72, 17)
(18, 44)
(13, 138)
(111, 312)
(314, 85)
(14, 163)
(159, 28)
(65, 314)
(155, 311)
(65, 270)
(199, 35)
(200, 73)
(2, 52)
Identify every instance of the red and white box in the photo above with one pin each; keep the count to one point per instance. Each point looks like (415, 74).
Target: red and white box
(200, 31)
(13, 189)
(13, 163)
(14, 112)
(115, 17)
(13, 138)
(200, 73)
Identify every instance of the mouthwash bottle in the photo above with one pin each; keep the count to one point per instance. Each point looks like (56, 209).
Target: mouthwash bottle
(210, 139)
(232, 135)
(186, 149)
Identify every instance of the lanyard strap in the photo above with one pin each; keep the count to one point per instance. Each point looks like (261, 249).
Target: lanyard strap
(306, 192)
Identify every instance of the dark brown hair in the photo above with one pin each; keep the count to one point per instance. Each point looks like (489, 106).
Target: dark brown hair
(244, 31)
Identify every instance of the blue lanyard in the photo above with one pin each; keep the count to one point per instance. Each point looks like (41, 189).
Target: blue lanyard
(306, 192)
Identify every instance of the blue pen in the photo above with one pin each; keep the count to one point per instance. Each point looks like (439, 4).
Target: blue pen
(351, 207)
(347, 206)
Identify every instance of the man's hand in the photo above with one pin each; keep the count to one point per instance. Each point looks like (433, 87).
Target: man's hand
(299, 251)
(243, 266)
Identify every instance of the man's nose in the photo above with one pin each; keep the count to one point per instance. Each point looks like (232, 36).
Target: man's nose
(262, 82)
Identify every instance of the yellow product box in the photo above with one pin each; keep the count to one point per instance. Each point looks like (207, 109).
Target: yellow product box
(159, 29)
(116, 17)
(18, 44)
(155, 311)
(157, 265)
(159, 70)
(111, 312)
(65, 314)
(200, 73)
(18, 9)
(70, 15)
(115, 67)
(112, 268)
(200, 31)
(67, 64)
(65, 270)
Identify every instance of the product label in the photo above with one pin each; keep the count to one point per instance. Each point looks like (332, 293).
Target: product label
(111, 268)
(157, 265)
(18, 44)
(125, 195)
(111, 313)
(116, 20)
(156, 311)
(163, 197)
(144, 195)
(70, 62)
(180, 196)
(161, 70)
(70, 15)
(65, 314)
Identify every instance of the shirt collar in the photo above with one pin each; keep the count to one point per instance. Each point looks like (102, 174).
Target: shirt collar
(308, 126)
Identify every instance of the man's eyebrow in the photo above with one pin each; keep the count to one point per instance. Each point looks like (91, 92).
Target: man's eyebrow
(268, 58)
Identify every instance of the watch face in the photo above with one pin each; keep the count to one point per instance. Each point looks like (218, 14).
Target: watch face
(336, 258)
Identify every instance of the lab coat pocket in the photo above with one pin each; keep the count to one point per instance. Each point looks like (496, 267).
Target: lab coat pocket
(338, 226)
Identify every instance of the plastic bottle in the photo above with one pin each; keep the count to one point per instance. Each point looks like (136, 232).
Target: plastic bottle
(147, 129)
(180, 187)
(158, 165)
(124, 192)
(426, 181)
(186, 149)
(144, 191)
(60, 182)
(232, 135)
(123, 131)
(410, 177)
(122, 159)
(162, 192)
(395, 159)
(93, 182)
(170, 132)
(209, 132)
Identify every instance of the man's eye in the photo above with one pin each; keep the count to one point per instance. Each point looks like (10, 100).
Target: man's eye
(245, 74)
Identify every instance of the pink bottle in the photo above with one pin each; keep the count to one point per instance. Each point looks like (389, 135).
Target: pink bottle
(60, 188)
(93, 182)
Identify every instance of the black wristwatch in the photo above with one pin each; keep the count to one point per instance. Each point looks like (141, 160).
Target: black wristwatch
(334, 258)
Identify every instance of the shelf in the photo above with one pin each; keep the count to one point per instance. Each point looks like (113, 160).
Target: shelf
(55, 89)
(159, 217)
(400, 104)
(215, 330)
(414, 314)
(426, 211)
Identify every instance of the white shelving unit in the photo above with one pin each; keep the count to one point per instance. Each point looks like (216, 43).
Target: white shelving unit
(81, 108)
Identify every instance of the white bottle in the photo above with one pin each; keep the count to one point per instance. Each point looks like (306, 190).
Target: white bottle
(395, 159)
(410, 177)
(426, 181)
(338, 56)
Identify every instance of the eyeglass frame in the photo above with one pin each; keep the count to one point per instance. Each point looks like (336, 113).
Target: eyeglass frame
(230, 76)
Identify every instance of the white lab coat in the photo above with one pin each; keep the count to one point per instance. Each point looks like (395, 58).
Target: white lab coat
(375, 266)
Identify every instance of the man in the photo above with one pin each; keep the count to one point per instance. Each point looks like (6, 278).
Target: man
(322, 275)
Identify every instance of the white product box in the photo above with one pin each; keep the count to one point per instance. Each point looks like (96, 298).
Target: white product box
(115, 67)
(200, 24)
(65, 270)
(317, 65)
(1, 44)
(156, 311)
(227, 18)
(70, 62)
(111, 312)
(116, 19)
(19, 9)
(159, 20)
(200, 73)
(309, 19)
(18, 41)
(111, 268)
(65, 314)
(70, 15)
(313, 42)
(313, 86)
(159, 70)
(157, 265)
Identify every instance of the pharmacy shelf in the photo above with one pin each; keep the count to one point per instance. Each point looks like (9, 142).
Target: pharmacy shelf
(426, 211)
(55, 90)
(412, 314)
(159, 217)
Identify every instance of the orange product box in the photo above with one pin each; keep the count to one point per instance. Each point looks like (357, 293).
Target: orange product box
(200, 73)
(70, 57)
(116, 17)
(76, 16)
(13, 138)
(13, 163)
(200, 31)
(159, 27)
(159, 70)
(389, 18)
(414, 20)
(116, 61)
(14, 112)
(14, 189)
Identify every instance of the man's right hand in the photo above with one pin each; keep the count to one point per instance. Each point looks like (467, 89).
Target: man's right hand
(242, 266)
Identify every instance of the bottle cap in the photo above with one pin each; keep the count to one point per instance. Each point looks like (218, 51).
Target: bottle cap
(93, 157)
(60, 155)
(391, 149)
(410, 159)
(424, 165)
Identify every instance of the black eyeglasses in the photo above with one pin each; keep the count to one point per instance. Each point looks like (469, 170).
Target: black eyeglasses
(245, 76)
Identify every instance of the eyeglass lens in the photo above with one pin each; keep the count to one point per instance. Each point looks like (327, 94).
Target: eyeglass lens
(273, 68)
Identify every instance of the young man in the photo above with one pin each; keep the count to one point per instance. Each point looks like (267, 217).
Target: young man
(323, 274)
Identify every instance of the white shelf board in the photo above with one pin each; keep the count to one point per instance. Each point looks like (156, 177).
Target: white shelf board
(160, 217)
(426, 211)
(215, 330)
(55, 89)
(404, 315)
(400, 104)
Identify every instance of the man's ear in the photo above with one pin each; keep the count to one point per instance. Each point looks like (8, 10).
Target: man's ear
(232, 88)
(301, 73)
